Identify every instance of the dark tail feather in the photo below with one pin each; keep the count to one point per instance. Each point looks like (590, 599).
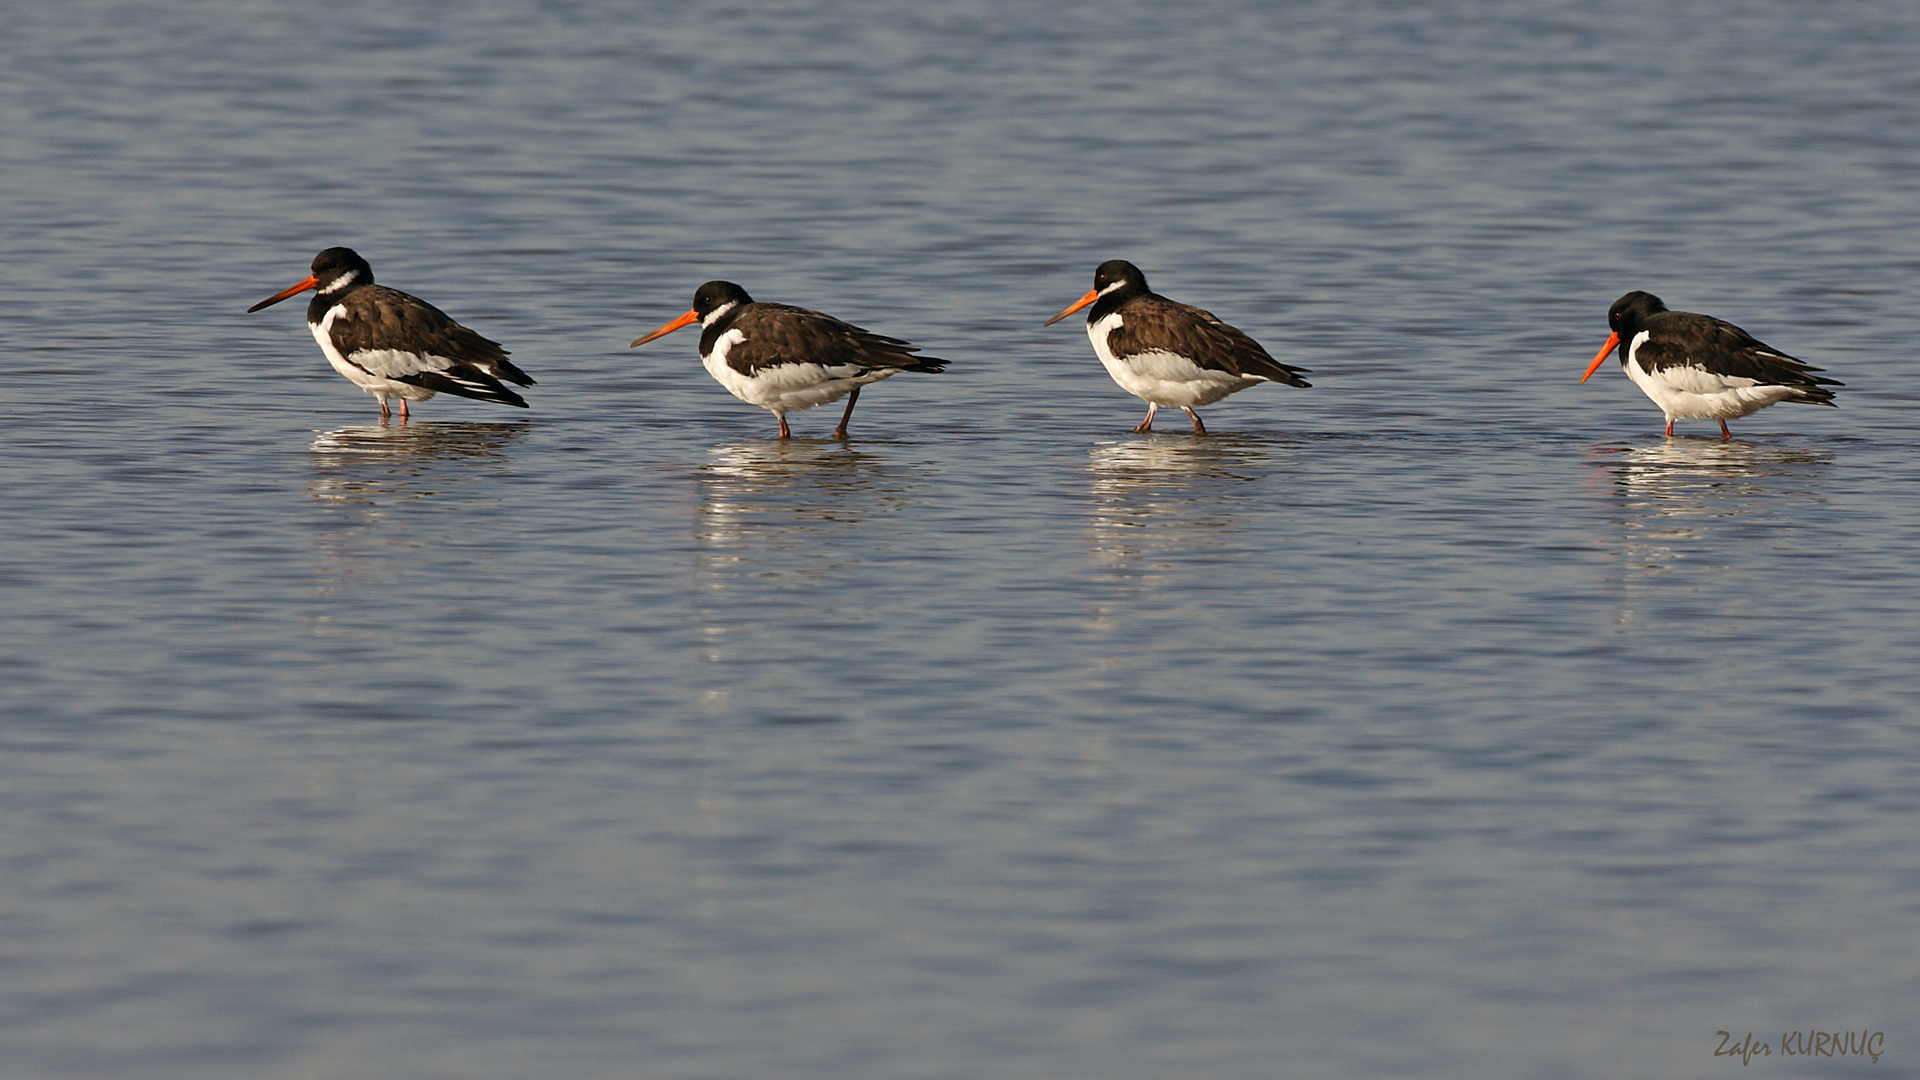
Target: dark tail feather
(504, 369)
(472, 384)
(1281, 373)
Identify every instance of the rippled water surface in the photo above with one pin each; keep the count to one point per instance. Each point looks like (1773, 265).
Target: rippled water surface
(1442, 719)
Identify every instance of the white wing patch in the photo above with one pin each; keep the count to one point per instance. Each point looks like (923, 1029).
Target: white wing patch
(394, 364)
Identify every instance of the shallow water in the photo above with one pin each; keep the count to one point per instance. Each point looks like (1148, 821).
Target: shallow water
(1443, 719)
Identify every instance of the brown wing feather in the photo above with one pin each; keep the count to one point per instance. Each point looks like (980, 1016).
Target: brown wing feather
(379, 316)
(1152, 322)
(1687, 339)
(783, 334)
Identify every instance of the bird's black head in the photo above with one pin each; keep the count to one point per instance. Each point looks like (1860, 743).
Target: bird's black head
(338, 267)
(1624, 319)
(1628, 312)
(715, 295)
(335, 270)
(1118, 270)
(1114, 283)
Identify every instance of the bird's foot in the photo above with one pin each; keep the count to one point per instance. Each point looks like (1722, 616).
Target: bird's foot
(852, 400)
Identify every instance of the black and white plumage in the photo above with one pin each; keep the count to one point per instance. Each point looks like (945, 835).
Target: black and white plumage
(785, 359)
(394, 345)
(1168, 353)
(1699, 367)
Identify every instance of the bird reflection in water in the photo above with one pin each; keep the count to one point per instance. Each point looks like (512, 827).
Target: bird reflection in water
(1156, 499)
(392, 498)
(795, 510)
(362, 473)
(1691, 511)
(788, 534)
(369, 463)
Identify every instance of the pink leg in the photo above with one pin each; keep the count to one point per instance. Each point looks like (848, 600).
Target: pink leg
(785, 433)
(1198, 427)
(403, 408)
(841, 431)
(1725, 435)
(1146, 425)
(1669, 429)
(384, 411)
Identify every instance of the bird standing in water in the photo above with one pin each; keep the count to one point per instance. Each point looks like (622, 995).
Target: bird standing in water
(1168, 353)
(785, 359)
(1699, 367)
(393, 345)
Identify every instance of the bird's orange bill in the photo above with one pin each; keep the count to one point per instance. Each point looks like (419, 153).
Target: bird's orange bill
(311, 283)
(1605, 350)
(684, 320)
(1092, 295)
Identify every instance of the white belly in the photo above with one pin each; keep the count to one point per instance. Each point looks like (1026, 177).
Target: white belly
(1163, 378)
(785, 388)
(1691, 393)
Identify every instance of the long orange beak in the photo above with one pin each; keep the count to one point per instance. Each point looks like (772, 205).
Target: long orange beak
(1612, 340)
(311, 283)
(1092, 295)
(684, 320)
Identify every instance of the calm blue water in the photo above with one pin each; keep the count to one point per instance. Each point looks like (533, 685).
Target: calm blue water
(1442, 719)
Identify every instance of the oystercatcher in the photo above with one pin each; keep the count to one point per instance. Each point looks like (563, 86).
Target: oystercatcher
(785, 359)
(394, 345)
(1699, 367)
(1168, 353)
